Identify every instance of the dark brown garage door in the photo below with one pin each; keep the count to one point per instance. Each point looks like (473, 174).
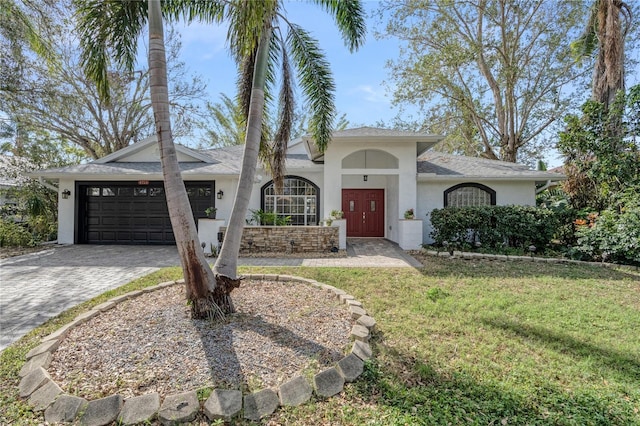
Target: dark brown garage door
(132, 213)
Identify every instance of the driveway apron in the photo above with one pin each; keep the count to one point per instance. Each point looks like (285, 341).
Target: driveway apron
(36, 287)
(39, 286)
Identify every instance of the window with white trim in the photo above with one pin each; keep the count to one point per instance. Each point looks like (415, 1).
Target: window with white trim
(300, 200)
(469, 194)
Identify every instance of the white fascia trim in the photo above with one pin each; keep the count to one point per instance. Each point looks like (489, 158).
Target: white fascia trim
(139, 146)
(430, 177)
(131, 149)
(371, 172)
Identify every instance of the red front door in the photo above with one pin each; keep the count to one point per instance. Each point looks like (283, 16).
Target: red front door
(364, 211)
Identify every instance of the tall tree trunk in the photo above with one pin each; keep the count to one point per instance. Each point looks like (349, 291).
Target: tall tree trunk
(226, 266)
(608, 76)
(208, 300)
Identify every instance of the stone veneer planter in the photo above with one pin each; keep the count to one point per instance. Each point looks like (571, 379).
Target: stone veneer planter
(47, 397)
(277, 239)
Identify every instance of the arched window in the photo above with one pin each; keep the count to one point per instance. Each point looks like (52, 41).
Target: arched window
(300, 199)
(469, 194)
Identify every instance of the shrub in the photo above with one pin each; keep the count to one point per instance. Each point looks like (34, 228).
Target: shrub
(263, 218)
(558, 202)
(494, 226)
(15, 235)
(614, 235)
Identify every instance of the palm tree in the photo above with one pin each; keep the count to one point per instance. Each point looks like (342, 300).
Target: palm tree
(609, 21)
(106, 25)
(228, 124)
(109, 30)
(257, 52)
(17, 26)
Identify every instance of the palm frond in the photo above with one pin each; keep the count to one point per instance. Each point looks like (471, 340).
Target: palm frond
(350, 19)
(286, 112)
(229, 122)
(210, 11)
(316, 82)
(587, 44)
(13, 17)
(247, 19)
(108, 31)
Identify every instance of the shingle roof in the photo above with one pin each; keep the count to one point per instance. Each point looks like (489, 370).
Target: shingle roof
(225, 161)
(232, 156)
(377, 132)
(448, 165)
(136, 168)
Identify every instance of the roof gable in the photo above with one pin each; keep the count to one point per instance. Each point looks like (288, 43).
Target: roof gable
(424, 142)
(147, 151)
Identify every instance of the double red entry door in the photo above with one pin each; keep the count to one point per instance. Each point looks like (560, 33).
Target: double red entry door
(364, 211)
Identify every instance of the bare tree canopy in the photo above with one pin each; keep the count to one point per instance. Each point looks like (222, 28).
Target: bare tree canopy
(60, 99)
(492, 74)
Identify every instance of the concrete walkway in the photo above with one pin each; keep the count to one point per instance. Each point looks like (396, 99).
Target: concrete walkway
(39, 286)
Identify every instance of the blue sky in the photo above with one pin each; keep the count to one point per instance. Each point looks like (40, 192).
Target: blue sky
(359, 76)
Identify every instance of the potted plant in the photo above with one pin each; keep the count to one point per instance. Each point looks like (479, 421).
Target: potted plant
(337, 214)
(210, 212)
(409, 214)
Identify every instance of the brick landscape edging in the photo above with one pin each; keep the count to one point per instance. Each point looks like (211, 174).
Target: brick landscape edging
(46, 396)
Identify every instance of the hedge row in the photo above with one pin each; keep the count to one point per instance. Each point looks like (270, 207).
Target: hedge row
(494, 226)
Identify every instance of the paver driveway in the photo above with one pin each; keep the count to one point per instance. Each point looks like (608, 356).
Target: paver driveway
(39, 286)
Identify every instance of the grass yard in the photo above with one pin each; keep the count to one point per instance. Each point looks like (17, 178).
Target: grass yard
(463, 342)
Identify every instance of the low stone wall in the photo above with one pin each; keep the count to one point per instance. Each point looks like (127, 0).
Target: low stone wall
(288, 239)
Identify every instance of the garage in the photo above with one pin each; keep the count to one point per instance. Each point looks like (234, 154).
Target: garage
(132, 212)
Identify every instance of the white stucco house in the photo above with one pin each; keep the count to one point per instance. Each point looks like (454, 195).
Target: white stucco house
(372, 175)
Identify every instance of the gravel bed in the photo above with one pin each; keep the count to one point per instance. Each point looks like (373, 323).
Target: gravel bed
(150, 343)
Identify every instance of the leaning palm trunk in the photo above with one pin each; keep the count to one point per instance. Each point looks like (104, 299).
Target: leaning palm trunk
(226, 265)
(208, 300)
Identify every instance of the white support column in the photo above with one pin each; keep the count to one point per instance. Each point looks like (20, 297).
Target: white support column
(410, 231)
(342, 233)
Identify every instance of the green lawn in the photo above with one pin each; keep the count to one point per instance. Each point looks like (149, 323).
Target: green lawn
(465, 342)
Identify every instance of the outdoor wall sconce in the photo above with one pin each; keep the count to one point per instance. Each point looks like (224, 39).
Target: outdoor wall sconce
(220, 194)
(365, 177)
(66, 193)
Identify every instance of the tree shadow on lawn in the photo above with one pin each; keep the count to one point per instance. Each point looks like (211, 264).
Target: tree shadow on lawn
(408, 390)
(479, 268)
(624, 367)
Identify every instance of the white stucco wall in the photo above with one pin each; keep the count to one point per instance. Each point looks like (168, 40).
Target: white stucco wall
(431, 196)
(399, 183)
(66, 212)
(228, 185)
